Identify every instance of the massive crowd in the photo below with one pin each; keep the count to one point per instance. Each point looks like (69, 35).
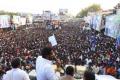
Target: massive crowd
(75, 46)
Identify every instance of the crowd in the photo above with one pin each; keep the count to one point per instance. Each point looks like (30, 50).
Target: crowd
(75, 46)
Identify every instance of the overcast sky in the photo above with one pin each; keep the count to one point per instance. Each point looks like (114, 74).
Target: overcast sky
(37, 6)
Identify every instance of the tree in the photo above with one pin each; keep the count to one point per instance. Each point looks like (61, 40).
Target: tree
(92, 8)
(82, 13)
(2, 12)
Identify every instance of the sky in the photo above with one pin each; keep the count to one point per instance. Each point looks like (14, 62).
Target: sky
(37, 6)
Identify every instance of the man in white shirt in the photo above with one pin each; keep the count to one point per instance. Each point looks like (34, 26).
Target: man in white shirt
(44, 69)
(16, 73)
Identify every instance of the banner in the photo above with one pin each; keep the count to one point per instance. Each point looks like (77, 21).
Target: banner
(96, 22)
(16, 20)
(4, 21)
(55, 17)
(112, 26)
(46, 15)
(118, 42)
(22, 21)
(29, 19)
(63, 11)
(52, 40)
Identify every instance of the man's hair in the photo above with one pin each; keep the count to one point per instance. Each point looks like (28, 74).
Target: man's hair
(89, 75)
(46, 51)
(69, 70)
(16, 62)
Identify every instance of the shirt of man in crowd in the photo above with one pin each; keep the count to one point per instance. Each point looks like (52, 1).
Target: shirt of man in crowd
(16, 73)
(44, 69)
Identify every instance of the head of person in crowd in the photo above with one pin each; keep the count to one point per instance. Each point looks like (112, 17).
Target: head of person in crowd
(16, 63)
(69, 74)
(48, 53)
(1, 70)
(88, 75)
(70, 71)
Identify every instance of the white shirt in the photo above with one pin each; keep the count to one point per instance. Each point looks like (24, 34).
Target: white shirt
(32, 73)
(118, 59)
(16, 74)
(44, 70)
(104, 77)
(95, 69)
(88, 61)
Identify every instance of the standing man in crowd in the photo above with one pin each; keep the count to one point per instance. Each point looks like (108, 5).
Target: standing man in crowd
(88, 75)
(69, 73)
(16, 73)
(44, 68)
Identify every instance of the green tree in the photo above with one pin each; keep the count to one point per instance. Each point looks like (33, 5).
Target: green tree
(82, 13)
(2, 12)
(92, 8)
